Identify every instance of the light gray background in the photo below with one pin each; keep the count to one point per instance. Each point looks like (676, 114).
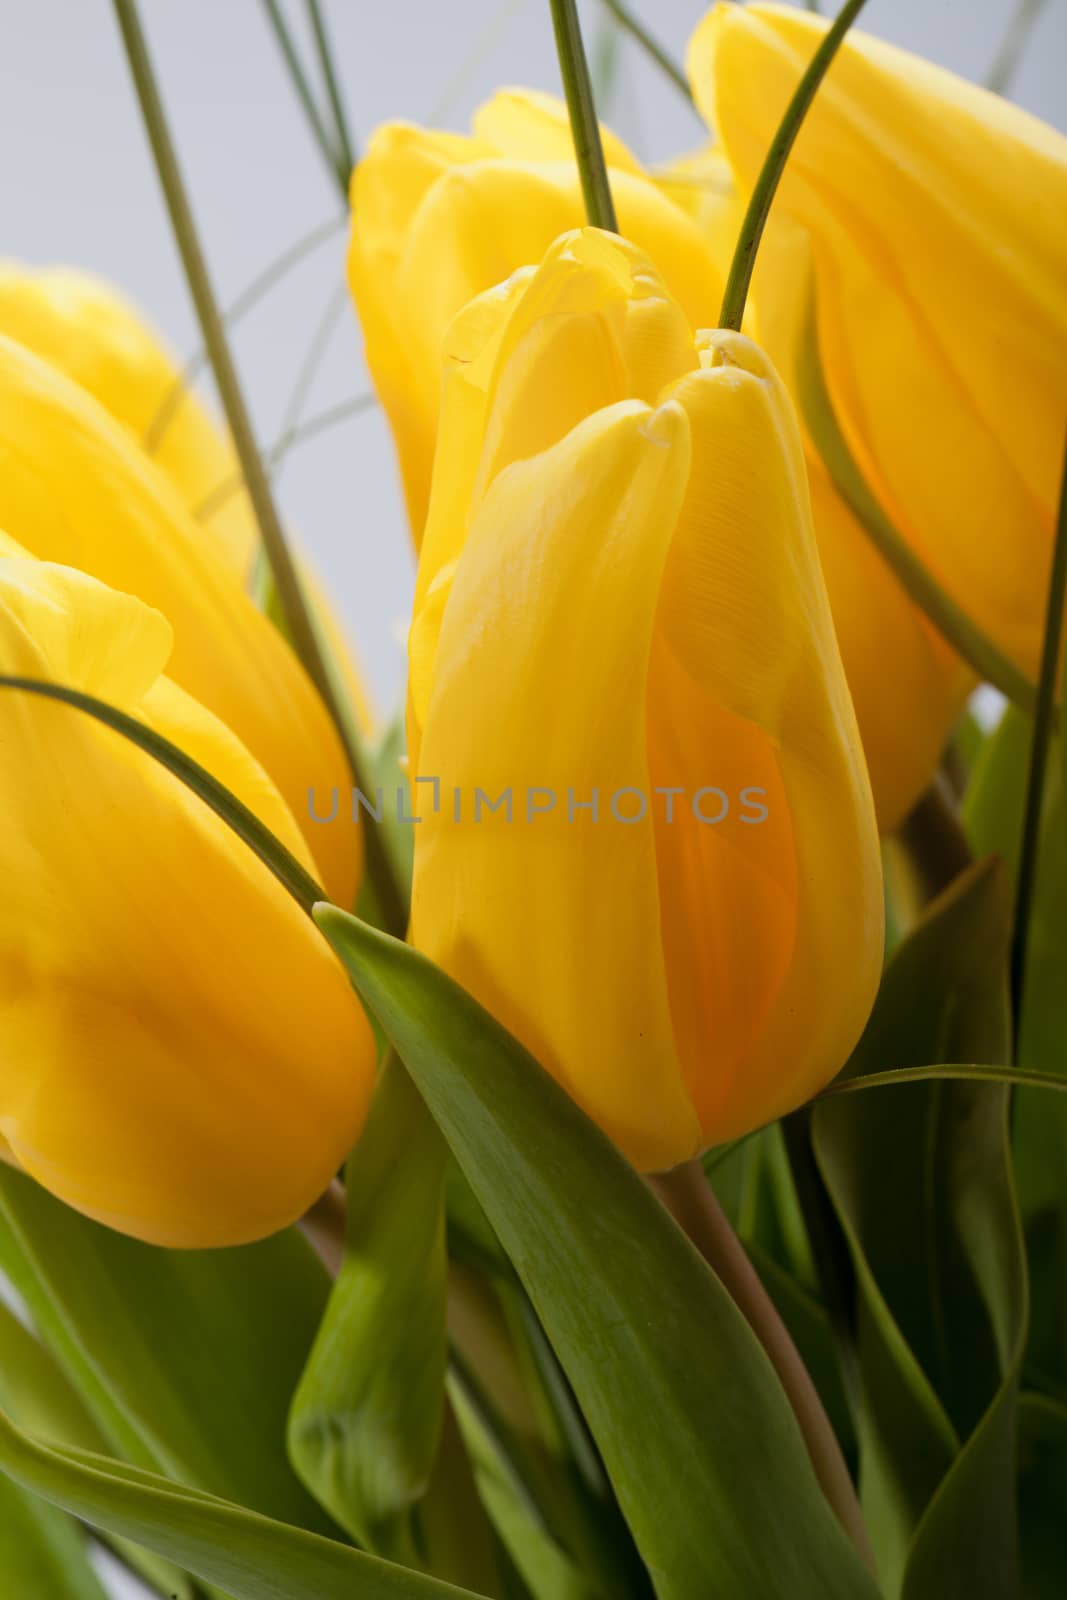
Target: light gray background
(78, 187)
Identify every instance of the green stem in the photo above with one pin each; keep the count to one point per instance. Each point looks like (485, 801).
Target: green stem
(1044, 723)
(299, 623)
(333, 87)
(249, 297)
(736, 294)
(1022, 1076)
(332, 156)
(585, 129)
(692, 1202)
(652, 48)
(1016, 35)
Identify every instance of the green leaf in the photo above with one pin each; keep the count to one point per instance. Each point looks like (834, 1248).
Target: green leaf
(251, 1557)
(366, 1422)
(995, 800)
(42, 1552)
(921, 1181)
(1043, 1495)
(646, 1334)
(187, 1360)
(995, 805)
(36, 1391)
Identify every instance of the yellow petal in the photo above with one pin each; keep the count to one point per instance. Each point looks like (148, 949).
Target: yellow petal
(529, 125)
(184, 1058)
(771, 929)
(437, 222)
(82, 326)
(73, 489)
(938, 214)
(539, 686)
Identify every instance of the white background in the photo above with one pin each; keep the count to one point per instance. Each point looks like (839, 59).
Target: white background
(77, 187)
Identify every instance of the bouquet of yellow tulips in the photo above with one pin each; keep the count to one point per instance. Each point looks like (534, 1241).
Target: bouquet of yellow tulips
(602, 1136)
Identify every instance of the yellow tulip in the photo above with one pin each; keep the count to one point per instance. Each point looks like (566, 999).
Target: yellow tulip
(938, 219)
(80, 325)
(619, 592)
(437, 218)
(184, 1059)
(75, 489)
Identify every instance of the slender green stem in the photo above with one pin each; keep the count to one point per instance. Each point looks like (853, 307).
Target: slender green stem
(250, 296)
(259, 839)
(1044, 723)
(736, 294)
(333, 87)
(585, 129)
(624, 16)
(289, 439)
(1023, 1076)
(309, 366)
(300, 625)
(692, 1202)
(1010, 52)
(331, 154)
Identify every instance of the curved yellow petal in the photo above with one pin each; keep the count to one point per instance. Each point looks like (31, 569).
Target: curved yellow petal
(771, 917)
(438, 220)
(908, 686)
(529, 125)
(529, 699)
(80, 325)
(184, 1058)
(938, 215)
(75, 490)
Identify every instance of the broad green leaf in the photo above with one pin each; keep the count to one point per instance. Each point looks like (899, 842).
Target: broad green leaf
(921, 1179)
(42, 1552)
(694, 1430)
(187, 1360)
(250, 1556)
(995, 805)
(35, 1390)
(366, 1422)
(1043, 1495)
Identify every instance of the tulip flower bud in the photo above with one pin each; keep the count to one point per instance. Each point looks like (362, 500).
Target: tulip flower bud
(938, 219)
(76, 490)
(621, 628)
(438, 218)
(184, 1059)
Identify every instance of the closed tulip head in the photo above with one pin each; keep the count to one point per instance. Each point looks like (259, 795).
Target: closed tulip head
(619, 596)
(184, 1059)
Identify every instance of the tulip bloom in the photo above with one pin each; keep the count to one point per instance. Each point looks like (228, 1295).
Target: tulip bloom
(437, 218)
(184, 1059)
(938, 219)
(620, 619)
(75, 489)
